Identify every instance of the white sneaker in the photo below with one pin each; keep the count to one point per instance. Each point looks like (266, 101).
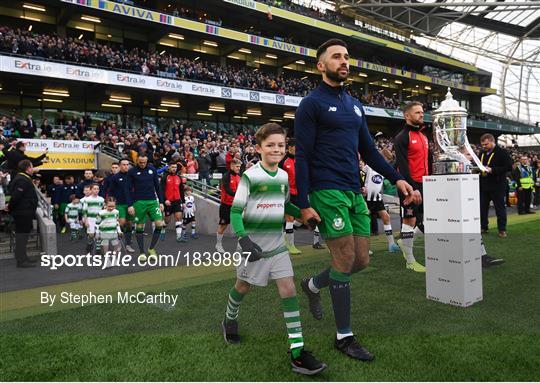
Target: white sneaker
(220, 249)
(130, 249)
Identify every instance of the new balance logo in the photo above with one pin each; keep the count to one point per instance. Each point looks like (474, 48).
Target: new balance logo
(332, 109)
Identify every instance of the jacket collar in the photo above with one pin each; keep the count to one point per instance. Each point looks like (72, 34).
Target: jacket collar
(332, 90)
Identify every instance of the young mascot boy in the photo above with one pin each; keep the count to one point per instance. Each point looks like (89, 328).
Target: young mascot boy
(257, 217)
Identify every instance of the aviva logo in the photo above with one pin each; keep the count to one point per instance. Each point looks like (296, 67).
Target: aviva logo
(126, 10)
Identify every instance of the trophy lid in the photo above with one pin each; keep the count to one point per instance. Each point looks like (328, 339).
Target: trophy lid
(449, 105)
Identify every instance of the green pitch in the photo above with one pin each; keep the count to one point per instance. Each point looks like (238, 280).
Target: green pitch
(413, 338)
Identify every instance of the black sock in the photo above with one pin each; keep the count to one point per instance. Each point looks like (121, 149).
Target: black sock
(127, 234)
(140, 241)
(155, 237)
(322, 280)
(341, 300)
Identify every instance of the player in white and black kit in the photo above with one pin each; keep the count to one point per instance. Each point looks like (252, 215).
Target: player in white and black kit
(189, 214)
(372, 188)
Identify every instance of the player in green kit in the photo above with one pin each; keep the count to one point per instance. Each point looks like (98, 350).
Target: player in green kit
(257, 217)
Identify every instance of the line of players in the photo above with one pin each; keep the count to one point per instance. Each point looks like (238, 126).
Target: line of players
(131, 195)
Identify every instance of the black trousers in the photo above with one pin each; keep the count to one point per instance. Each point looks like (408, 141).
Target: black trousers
(23, 227)
(524, 200)
(497, 196)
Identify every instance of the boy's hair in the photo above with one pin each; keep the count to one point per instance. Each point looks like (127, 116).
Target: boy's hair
(236, 161)
(92, 186)
(111, 199)
(72, 197)
(267, 130)
(88, 186)
(187, 188)
(329, 43)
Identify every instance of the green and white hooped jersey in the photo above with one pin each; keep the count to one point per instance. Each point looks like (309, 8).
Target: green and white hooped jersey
(92, 206)
(262, 197)
(107, 221)
(73, 210)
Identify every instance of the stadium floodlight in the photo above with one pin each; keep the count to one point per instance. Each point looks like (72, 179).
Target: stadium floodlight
(30, 18)
(159, 110)
(271, 56)
(254, 112)
(234, 57)
(106, 105)
(120, 98)
(170, 103)
(288, 115)
(276, 120)
(245, 50)
(91, 19)
(167, 44)
(287, 67)
(427, 87)
(50, 100)
(30, 28)
(384, 79)
(258, 62)
(176, 36)
(34, 7)
(362, 74)
(398, 81)
(241, 117)
(300, 62)
(204, 114)
(56, 92)
(84, 28)
(210, 43)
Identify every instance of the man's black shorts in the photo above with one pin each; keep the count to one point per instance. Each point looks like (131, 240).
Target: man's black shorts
(175, 207)
(412, 210)
(224, 214)
(375, 206)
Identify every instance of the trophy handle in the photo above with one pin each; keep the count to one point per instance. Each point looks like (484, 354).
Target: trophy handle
(474, 156)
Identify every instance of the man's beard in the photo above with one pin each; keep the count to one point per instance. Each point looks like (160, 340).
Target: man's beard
(335, 76)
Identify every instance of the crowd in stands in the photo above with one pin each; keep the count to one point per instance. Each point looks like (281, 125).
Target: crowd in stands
(163, 64)
(138, 60)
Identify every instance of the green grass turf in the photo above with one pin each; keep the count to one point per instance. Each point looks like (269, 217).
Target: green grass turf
(497, 339)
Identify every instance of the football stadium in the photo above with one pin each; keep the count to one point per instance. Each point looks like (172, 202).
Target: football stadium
(269, 190)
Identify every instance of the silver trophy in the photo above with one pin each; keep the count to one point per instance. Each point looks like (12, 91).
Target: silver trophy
(453, 153)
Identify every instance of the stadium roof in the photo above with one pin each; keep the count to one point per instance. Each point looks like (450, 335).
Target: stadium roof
(500, 36)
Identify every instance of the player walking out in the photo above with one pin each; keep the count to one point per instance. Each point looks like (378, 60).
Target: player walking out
(330, 131)
(173, 190)
(143, 182)
(229, 183)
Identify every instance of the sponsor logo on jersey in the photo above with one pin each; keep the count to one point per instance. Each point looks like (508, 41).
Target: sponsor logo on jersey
(338, 223)
(150, 171)
(269, 205)
(377, 179)
(357, 111)
(332, 109)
